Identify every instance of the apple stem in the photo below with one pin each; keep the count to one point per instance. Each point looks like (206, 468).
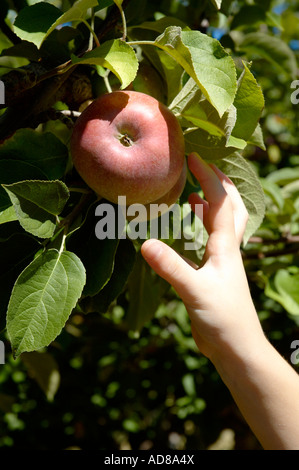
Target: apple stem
(126, 141)
(106, 81)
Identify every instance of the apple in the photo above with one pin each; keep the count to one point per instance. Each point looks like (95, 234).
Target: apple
(127, 143)
(170, 198)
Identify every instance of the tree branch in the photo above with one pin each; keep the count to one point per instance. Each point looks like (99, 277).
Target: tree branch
(30, 95)
(290, 242)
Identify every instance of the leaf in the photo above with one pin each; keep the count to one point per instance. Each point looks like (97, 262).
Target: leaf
(23, 49)
(160, 25)
(272, 49)
(37, 203)
(42, 299)
(249, 15)
(203, 115)
(116, 56)
(216, 3)
(96, 255)
(211, 146)
(166, 65)
(249, 102)
(42, 150)
(104, 4)
(212, 138)
(145, 292)
(13, 171)
(257, 138)
(36, 22)
(249, 186)
(284, 175)
(189, 93)
(284, 289)
(33, 22)
(43, 368)
(206, 61)
(273, 191)
(123, 265)
(8, 215)
(15, 254)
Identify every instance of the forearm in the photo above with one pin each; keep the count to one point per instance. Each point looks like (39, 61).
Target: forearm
(266, 390)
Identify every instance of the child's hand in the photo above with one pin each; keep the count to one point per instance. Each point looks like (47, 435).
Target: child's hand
(216, 294)
(225, 325)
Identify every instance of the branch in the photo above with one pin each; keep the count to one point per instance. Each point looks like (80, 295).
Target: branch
(291, 243)
(30, 95)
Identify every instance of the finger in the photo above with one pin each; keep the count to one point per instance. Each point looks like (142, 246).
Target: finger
(239, 209)
(200, 207)
(171, 267)
(221, 217)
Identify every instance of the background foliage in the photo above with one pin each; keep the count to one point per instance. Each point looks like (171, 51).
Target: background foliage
(98, 385)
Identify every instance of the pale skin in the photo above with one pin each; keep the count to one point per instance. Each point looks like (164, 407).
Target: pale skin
(225, 324)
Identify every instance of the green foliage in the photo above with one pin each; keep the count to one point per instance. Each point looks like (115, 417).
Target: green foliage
(78, 310)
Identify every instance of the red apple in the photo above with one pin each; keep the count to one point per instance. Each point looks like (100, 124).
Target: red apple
(170, 198)
(127, 143)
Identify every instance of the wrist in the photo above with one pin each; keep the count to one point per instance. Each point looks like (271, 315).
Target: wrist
(241, 356)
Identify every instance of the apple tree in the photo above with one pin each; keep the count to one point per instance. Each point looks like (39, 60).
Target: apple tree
(223, 69)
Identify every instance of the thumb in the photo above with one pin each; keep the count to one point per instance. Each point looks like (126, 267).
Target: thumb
(171, 267)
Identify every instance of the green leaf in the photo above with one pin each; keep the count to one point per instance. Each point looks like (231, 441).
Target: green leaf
(213, 139)
(273, 191)
(44, 369)
(75, 13)
(118, 2)
(205, 133)
(42, 299)
(13, 171)
(284, 289)
(8, 215)
(123, 265)
(35, 23)
(116, 56)
(206, 61)
(249, 102)
(166, 65)
(37, 203)
(273, 49)
(216, 3)
(96, 255)
(23, 49)
(202, 114)
(257, 138)
(248, 184)
(104, 4)
(284, 175)
(15, 254)
(145, 292)
(42, 150)
(249, 15)
(159, 26)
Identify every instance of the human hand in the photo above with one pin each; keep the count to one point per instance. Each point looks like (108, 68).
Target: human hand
(216, 294)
